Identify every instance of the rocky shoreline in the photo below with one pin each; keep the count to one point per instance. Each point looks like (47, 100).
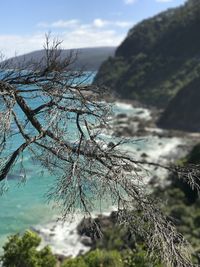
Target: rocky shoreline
(143, 123)
(168, 146)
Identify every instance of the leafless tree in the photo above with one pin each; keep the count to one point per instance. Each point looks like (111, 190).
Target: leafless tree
(59, 118)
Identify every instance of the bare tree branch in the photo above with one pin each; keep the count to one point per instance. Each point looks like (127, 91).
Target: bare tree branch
(57, 114)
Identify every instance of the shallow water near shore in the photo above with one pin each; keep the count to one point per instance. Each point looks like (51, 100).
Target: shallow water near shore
(24, 205)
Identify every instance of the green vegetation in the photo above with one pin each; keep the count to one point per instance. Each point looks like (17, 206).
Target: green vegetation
(119, 247)
(96, 258)
(183, 111)
(103, 258)
(159, 57)
(21, 251)
(77, 262)
(183, 202)
(112, 258)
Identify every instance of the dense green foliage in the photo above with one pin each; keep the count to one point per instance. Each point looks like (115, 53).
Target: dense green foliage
(114, 250)
(159, 57)
(21, 251)
(191, 195)
(183, 203)
(112, 258)
(77, 262)
(183, 111)
(96, 258)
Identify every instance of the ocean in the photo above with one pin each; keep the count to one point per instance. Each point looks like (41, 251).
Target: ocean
(23, 202)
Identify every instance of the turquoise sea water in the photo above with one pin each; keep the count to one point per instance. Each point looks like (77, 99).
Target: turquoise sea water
(23, 202)
(24, 205)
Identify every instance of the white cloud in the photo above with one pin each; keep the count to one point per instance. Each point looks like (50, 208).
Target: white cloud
(99, 23)
(59, 24)
(129, 2)
(19, 44)
(92, 37)
(74, 23)
(74, 34)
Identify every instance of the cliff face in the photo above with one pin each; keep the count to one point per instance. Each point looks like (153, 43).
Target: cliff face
(183, 112)
(159, 57)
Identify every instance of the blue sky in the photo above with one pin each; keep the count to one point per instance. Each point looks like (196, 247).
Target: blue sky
(79, 23)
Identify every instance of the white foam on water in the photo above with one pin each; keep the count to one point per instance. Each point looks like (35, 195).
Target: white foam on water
(125, 106)
(142, 113)
(158, 150)
(164, 149)
(62, 237)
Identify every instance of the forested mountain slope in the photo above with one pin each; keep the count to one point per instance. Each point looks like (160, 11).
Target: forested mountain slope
(159, 57)
(183, 111)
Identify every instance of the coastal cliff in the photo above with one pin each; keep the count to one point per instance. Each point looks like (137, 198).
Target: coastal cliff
(159, 57)
(183, 112)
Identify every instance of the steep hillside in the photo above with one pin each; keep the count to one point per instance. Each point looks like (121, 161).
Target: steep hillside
(89, 59)
(159, 57)
(183, 112)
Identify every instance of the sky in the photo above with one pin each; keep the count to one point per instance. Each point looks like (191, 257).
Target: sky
(78, 23)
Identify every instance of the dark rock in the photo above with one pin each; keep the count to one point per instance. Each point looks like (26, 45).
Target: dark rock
(81, 252)
(140, 112)
(87, 241)
(111, 144)
(122, 116)
(61, 257)
(52, 234)
(90, 227)
(144, 155)
(53, 228)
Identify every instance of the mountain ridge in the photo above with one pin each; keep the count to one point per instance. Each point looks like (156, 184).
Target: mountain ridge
(89, 58)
